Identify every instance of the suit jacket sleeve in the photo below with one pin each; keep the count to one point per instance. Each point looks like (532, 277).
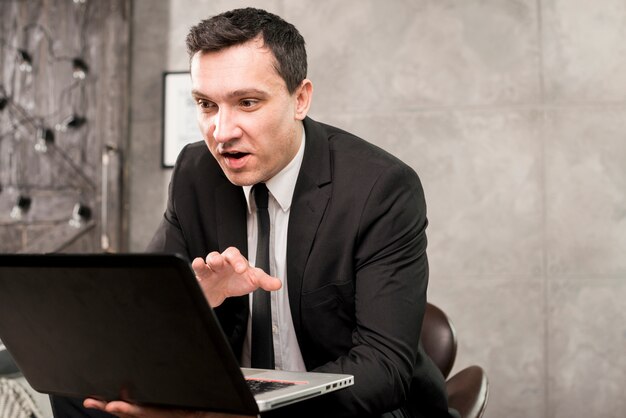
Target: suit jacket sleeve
(390, 295)
(169, 235)
(390, 281)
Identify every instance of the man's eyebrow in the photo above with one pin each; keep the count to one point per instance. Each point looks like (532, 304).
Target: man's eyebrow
(197, 94)
(247, 92)
(235, 93)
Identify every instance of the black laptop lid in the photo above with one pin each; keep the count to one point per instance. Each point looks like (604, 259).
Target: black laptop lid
(134, 327)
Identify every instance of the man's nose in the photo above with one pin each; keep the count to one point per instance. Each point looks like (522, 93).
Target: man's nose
(226, 127)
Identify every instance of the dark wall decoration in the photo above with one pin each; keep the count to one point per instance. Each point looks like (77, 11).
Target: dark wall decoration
(63, 124)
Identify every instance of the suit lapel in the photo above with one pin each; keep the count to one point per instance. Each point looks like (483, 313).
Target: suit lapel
(309, 203)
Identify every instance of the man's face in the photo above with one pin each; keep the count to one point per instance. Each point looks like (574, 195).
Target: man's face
(248, 119)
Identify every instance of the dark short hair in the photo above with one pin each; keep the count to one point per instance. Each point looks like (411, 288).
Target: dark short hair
(239, 26)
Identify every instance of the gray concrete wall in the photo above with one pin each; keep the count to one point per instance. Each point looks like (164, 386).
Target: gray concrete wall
(514, 115)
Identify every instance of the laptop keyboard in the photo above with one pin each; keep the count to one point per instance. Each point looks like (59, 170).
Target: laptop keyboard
(258, 386)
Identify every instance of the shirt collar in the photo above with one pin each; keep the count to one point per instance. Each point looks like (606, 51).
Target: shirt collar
(282, 185)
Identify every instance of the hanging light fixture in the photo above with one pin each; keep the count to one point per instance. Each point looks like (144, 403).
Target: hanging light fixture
(80, 214)
(71, 122)
(45, 137)
(24, 61)
(22, 206)
(79, 69)
(4, 98)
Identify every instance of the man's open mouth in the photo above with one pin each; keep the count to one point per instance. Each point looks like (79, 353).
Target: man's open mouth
(235, 160)
(235, 155)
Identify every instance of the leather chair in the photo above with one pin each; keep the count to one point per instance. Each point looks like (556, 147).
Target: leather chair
(439, 338)
(468, 390)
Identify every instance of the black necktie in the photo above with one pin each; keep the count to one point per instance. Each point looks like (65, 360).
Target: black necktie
(262, 344)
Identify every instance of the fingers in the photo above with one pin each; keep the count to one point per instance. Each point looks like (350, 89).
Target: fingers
(94, 404)
(216, 262)
(120, 409)
(265, 281)
(229, 274)
(128, 410)
(232, 258)
(201, 268)
(125, 409)
(238, 262)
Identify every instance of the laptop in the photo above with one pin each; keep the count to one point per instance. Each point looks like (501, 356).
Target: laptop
(133, 327)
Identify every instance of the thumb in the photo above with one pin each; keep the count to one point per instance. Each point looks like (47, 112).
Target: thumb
(265, 281)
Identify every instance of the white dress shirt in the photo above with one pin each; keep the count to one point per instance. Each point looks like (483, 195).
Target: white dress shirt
(287, 355)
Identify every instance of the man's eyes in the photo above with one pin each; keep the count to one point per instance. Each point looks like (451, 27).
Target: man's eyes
(205, 104)
(248, 103)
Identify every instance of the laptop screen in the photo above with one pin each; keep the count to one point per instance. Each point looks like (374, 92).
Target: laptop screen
(134, 327)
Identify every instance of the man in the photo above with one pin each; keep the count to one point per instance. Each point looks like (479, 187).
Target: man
(347, 269)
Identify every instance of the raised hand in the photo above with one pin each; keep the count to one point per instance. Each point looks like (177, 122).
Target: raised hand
(229, 274)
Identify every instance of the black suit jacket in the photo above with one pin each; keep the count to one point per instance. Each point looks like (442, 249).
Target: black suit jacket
(356, 267)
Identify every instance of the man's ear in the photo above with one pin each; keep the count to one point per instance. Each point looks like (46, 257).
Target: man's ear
(303, 97)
